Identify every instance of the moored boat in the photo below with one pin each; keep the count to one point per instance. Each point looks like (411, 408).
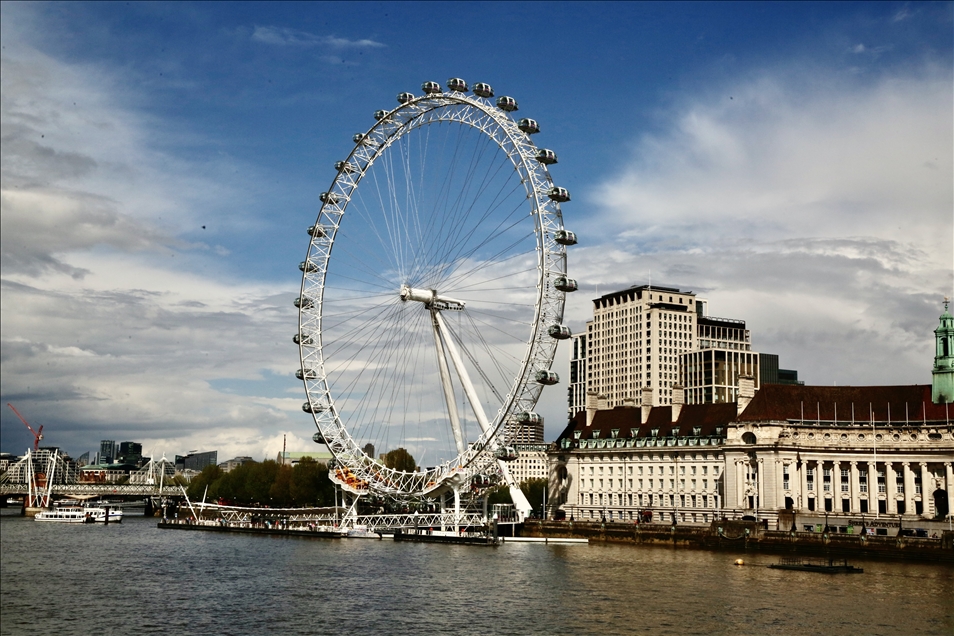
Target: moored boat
(829, 567)
(79, 514)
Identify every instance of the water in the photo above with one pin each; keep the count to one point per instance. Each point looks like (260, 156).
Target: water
(136, 579)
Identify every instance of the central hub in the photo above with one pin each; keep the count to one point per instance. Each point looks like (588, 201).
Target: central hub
(430, 298)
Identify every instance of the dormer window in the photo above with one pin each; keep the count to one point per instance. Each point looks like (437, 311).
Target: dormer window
(718, 430)
(596, 434)
(614, 433)
(696, 430)
(654, 432)
(633, 432)
(576, 434)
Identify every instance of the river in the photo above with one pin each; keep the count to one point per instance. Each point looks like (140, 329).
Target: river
(133, 578)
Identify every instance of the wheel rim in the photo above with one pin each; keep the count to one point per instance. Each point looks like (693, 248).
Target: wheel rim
(451, 201)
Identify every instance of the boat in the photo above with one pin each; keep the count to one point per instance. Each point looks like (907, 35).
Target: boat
(829, 567)
(79, 514)
(361, 532)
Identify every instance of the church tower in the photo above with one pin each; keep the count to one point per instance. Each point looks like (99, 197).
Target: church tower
(942, 385)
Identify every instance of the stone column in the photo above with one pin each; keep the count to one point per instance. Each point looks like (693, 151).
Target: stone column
(891, 493)
(927, 487)
(759, 479)
(836, 486)
(908, 477)
(854, 489)
(803, 485)
(872, 488)
(740, 484)
(949, 487)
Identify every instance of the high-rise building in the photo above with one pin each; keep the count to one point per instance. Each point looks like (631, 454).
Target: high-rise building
(723, 353)
(198, 461)
(634, 341)
(107, 451)
(130, 453)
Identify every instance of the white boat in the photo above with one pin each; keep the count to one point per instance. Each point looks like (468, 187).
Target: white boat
(79, 514)
(362, 532)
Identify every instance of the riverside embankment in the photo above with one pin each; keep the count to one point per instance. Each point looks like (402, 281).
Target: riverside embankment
(749, 536)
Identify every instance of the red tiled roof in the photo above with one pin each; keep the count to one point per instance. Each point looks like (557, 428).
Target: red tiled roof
(706, 417)
(779, 402)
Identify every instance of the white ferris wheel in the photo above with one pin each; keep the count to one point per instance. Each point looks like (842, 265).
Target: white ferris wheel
(432, 293)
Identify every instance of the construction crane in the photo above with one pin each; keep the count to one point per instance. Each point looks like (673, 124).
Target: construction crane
(37, 435)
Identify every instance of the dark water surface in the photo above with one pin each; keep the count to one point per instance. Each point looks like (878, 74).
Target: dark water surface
(136, 579)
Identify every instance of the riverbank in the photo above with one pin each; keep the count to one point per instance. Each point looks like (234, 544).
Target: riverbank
(746, 536)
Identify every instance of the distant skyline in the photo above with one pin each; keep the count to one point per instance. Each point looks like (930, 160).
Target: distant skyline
(792, 163)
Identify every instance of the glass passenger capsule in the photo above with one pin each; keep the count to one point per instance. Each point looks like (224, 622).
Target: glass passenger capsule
(380, 114)
(528, 126)
(457, 84)
(529, 417)
(546, 377)
(318, 438)
(344, 166)
(404, 98)
(560, 195)
(559, 332)
(546, 156)
(506, 103)
(304, 302)
(565, 237)
(299, 339)
(431, 88)
(328, 197)
(565, 284)
(317, 231)
(358, 138)
(506, 453)
(481, 481)
(307, 266)
(306, 374)
(309, 407)
(483, 90)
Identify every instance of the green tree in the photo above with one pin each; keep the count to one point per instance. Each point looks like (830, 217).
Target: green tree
(203, 480)
(279, 494)
(499, 495)
(534, 488)
(310, 485)
(400, 459)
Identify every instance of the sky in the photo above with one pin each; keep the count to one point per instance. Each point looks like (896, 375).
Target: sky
(789, 162)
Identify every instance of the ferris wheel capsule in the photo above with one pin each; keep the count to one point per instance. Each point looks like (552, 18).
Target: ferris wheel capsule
(565, 284)
(309, 407)
(546, 156)
(529, 126)
(547, 378)
(565, 237)
(304, 302)
(506, 103)
(328, 197)
(506, 453)
(307, 266)
(457, 84)
(431, 88)
(529, 417)
(318, 438)
(380, 114)
(404, 98)
(317, 231)
(299, 339)
(344, 166)
(359, 138)
(560, 332)
(560, 195)
(483, 90)
(306, 374)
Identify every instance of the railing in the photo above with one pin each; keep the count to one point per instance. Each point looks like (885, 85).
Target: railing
(143, 490)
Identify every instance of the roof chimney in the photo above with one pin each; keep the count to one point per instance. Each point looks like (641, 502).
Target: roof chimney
(592, 403)
(746, 392)
(678, 399)
(629, 402)
(647, 404)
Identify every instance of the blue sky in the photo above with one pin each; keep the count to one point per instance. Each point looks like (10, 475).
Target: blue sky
(790, 162)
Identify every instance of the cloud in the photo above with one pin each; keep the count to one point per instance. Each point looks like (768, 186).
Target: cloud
(283, 36)
(109, 332)
(816, 209)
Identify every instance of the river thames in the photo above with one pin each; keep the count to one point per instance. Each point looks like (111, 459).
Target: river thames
(133, 578)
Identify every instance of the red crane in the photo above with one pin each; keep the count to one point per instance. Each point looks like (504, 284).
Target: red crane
(37, 435)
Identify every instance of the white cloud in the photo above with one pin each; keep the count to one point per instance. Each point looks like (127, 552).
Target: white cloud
(283, 36)
(819, 211)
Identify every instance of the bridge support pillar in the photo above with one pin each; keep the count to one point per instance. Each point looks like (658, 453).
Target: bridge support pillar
(148, 509)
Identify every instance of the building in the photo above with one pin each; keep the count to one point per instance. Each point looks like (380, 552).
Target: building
(198, 461)
(531, 462)
(769, 373)
(879, 456)
(942, 376)
(130, 453)
(634, 341)
(646, 463)
(231, 464)
(723, 353)
(107, 452)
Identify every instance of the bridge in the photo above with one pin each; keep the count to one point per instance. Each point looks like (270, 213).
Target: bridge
(138, 491)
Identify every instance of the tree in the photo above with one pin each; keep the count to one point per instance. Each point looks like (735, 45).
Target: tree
(499, 495)
(534, 488)
(400, 459)
(205, 479)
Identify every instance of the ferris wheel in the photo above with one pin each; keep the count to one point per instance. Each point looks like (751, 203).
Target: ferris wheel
(432, 294)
